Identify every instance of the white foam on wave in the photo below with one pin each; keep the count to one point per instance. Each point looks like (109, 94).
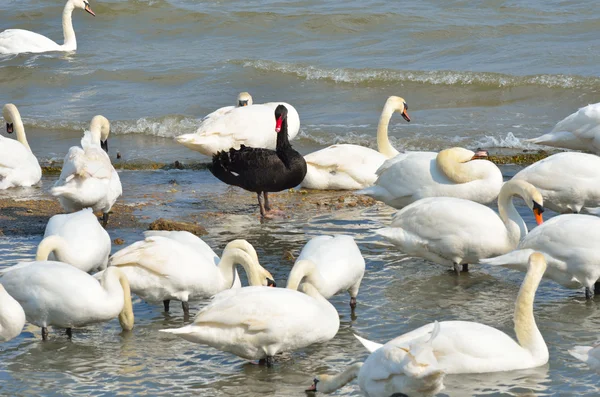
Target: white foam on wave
(167, 127)
(510, 141)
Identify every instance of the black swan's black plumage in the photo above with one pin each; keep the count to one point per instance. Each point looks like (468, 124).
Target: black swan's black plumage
(262, 170)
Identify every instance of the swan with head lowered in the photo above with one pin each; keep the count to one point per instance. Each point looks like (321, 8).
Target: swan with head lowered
(15, 41)
(180, 266)
(454, 172)
(409, 368)
(351, 167)
(88, 178)
(453, 231)
(18, 164)
(12, 316)
(569, 243)
(578, 131)
(331, 264)
(256, 323)
(246, 124)
(463, 347)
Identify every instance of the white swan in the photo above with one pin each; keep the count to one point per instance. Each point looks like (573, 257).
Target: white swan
(570, 245)
(12, 316)
(467, 347)
(351, 167)
(589, 355)
(182, 267)
(453, 231)
(243, 99)
(15, 41)
(77, 239)
(331, 265)
(252, 126)
(578, 131)
(258, 322)
(58, 294)
(88, 178)
(409, 368)
(569, 182)
(454, 172)
(18, 165)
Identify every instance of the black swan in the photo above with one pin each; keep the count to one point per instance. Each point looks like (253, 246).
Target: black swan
(262, 170)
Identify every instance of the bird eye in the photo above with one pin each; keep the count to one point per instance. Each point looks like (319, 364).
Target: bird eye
(537, 206)
(405, 106)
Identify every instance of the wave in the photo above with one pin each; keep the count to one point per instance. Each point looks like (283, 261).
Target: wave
(435, 77)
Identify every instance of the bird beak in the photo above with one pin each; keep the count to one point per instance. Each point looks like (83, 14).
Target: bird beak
(405, 115)
(104, 145)
(243, 103)
(480, 154)
(537, 211)
(312, 388)
(89, 9)
(9, 128)
(278, 124)
(271, 283)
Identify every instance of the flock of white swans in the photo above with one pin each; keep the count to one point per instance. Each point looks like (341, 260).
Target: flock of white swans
(442, 217)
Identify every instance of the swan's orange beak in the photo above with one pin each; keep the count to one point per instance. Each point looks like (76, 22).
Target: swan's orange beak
(89, 10)
(480, 154)
(405, 115)
(278, 124)
(537, 211)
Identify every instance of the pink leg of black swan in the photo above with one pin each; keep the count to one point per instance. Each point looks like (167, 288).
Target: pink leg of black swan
(262, 170)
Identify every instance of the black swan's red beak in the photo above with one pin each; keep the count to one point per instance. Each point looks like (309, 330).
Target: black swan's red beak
(278, 124)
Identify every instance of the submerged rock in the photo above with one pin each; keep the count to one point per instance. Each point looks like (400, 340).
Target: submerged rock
(171, 225)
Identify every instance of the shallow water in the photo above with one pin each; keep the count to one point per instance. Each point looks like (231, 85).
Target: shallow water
(489, 75)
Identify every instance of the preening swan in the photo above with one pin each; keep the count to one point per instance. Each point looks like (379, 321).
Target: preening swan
(247, 124)
(589, 355)
(578, 131)
(569, 182)
(18, 165)
(258, 322)
(331, 264)
(12, 316)
(60, 295)
(453, 231)
(570, 245)
(454, 172)
(182, 267)
(409, 368)
(15, 41)
(77, 239)
(88, 178)
(351, 167)
(467, 347)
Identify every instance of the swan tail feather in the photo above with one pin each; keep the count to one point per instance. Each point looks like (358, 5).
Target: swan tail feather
(369, 345)
(518, 258)
(581, 352)
(178, 331)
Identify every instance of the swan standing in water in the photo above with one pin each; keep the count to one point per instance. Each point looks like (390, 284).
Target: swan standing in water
(351, 167)
(77, 239)
(589, 355)
(88, 178)
(15, 41)
(182, 267)
(569, 182)
(463, 347)
(454, 172)
(409, 368)
(453, 231)
(331, 264)
(60, 295)
(258, 322)
(231, 127)
(570, 245)
(18, 165)
(578, 131)
(12, 316)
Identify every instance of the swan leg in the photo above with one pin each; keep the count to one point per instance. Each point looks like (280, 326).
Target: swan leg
(266, 361)
(353, 302)
(69, 333)
(261, 205)
(166, 304)
(457, 269)
(104, 219)
(465, 267)
(44, 333)
(588, 293)
(186, 308)
(267, 205)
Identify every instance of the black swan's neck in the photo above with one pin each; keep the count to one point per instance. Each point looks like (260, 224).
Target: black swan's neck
(283, 143)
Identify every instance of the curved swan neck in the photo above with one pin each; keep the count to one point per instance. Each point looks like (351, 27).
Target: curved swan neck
(330, 383)
(100, 129)
(303, 268)
(11, 115)
(232, 257)
(383, 141)
(70, 43)
(126, 317)
(528, 334)
(50, 244)
(515, 225)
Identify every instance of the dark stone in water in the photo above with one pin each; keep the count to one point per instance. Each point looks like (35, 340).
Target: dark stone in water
(171, 225)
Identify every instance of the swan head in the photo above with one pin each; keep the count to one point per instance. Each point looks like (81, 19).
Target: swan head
(280, 115)
(398, 104)
(536, 203)
(11, 115)
(100, 126)
(83, 5)
(244, 99)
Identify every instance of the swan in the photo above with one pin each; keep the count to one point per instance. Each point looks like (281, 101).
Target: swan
(454, 231)
(352, 167)
(331, 264)
(258, 322)
(570, 245)
(77, 239)
(589, 355)
(463, 347)
(88, 179)
(243, 99)
(454, 172)
(18, 164)
(58, 294)
(578, 131)
(12, 316)
(569, 182)
(181, 266)
(262, 170)
(251, 126)
(15, 41)
(409, 368)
